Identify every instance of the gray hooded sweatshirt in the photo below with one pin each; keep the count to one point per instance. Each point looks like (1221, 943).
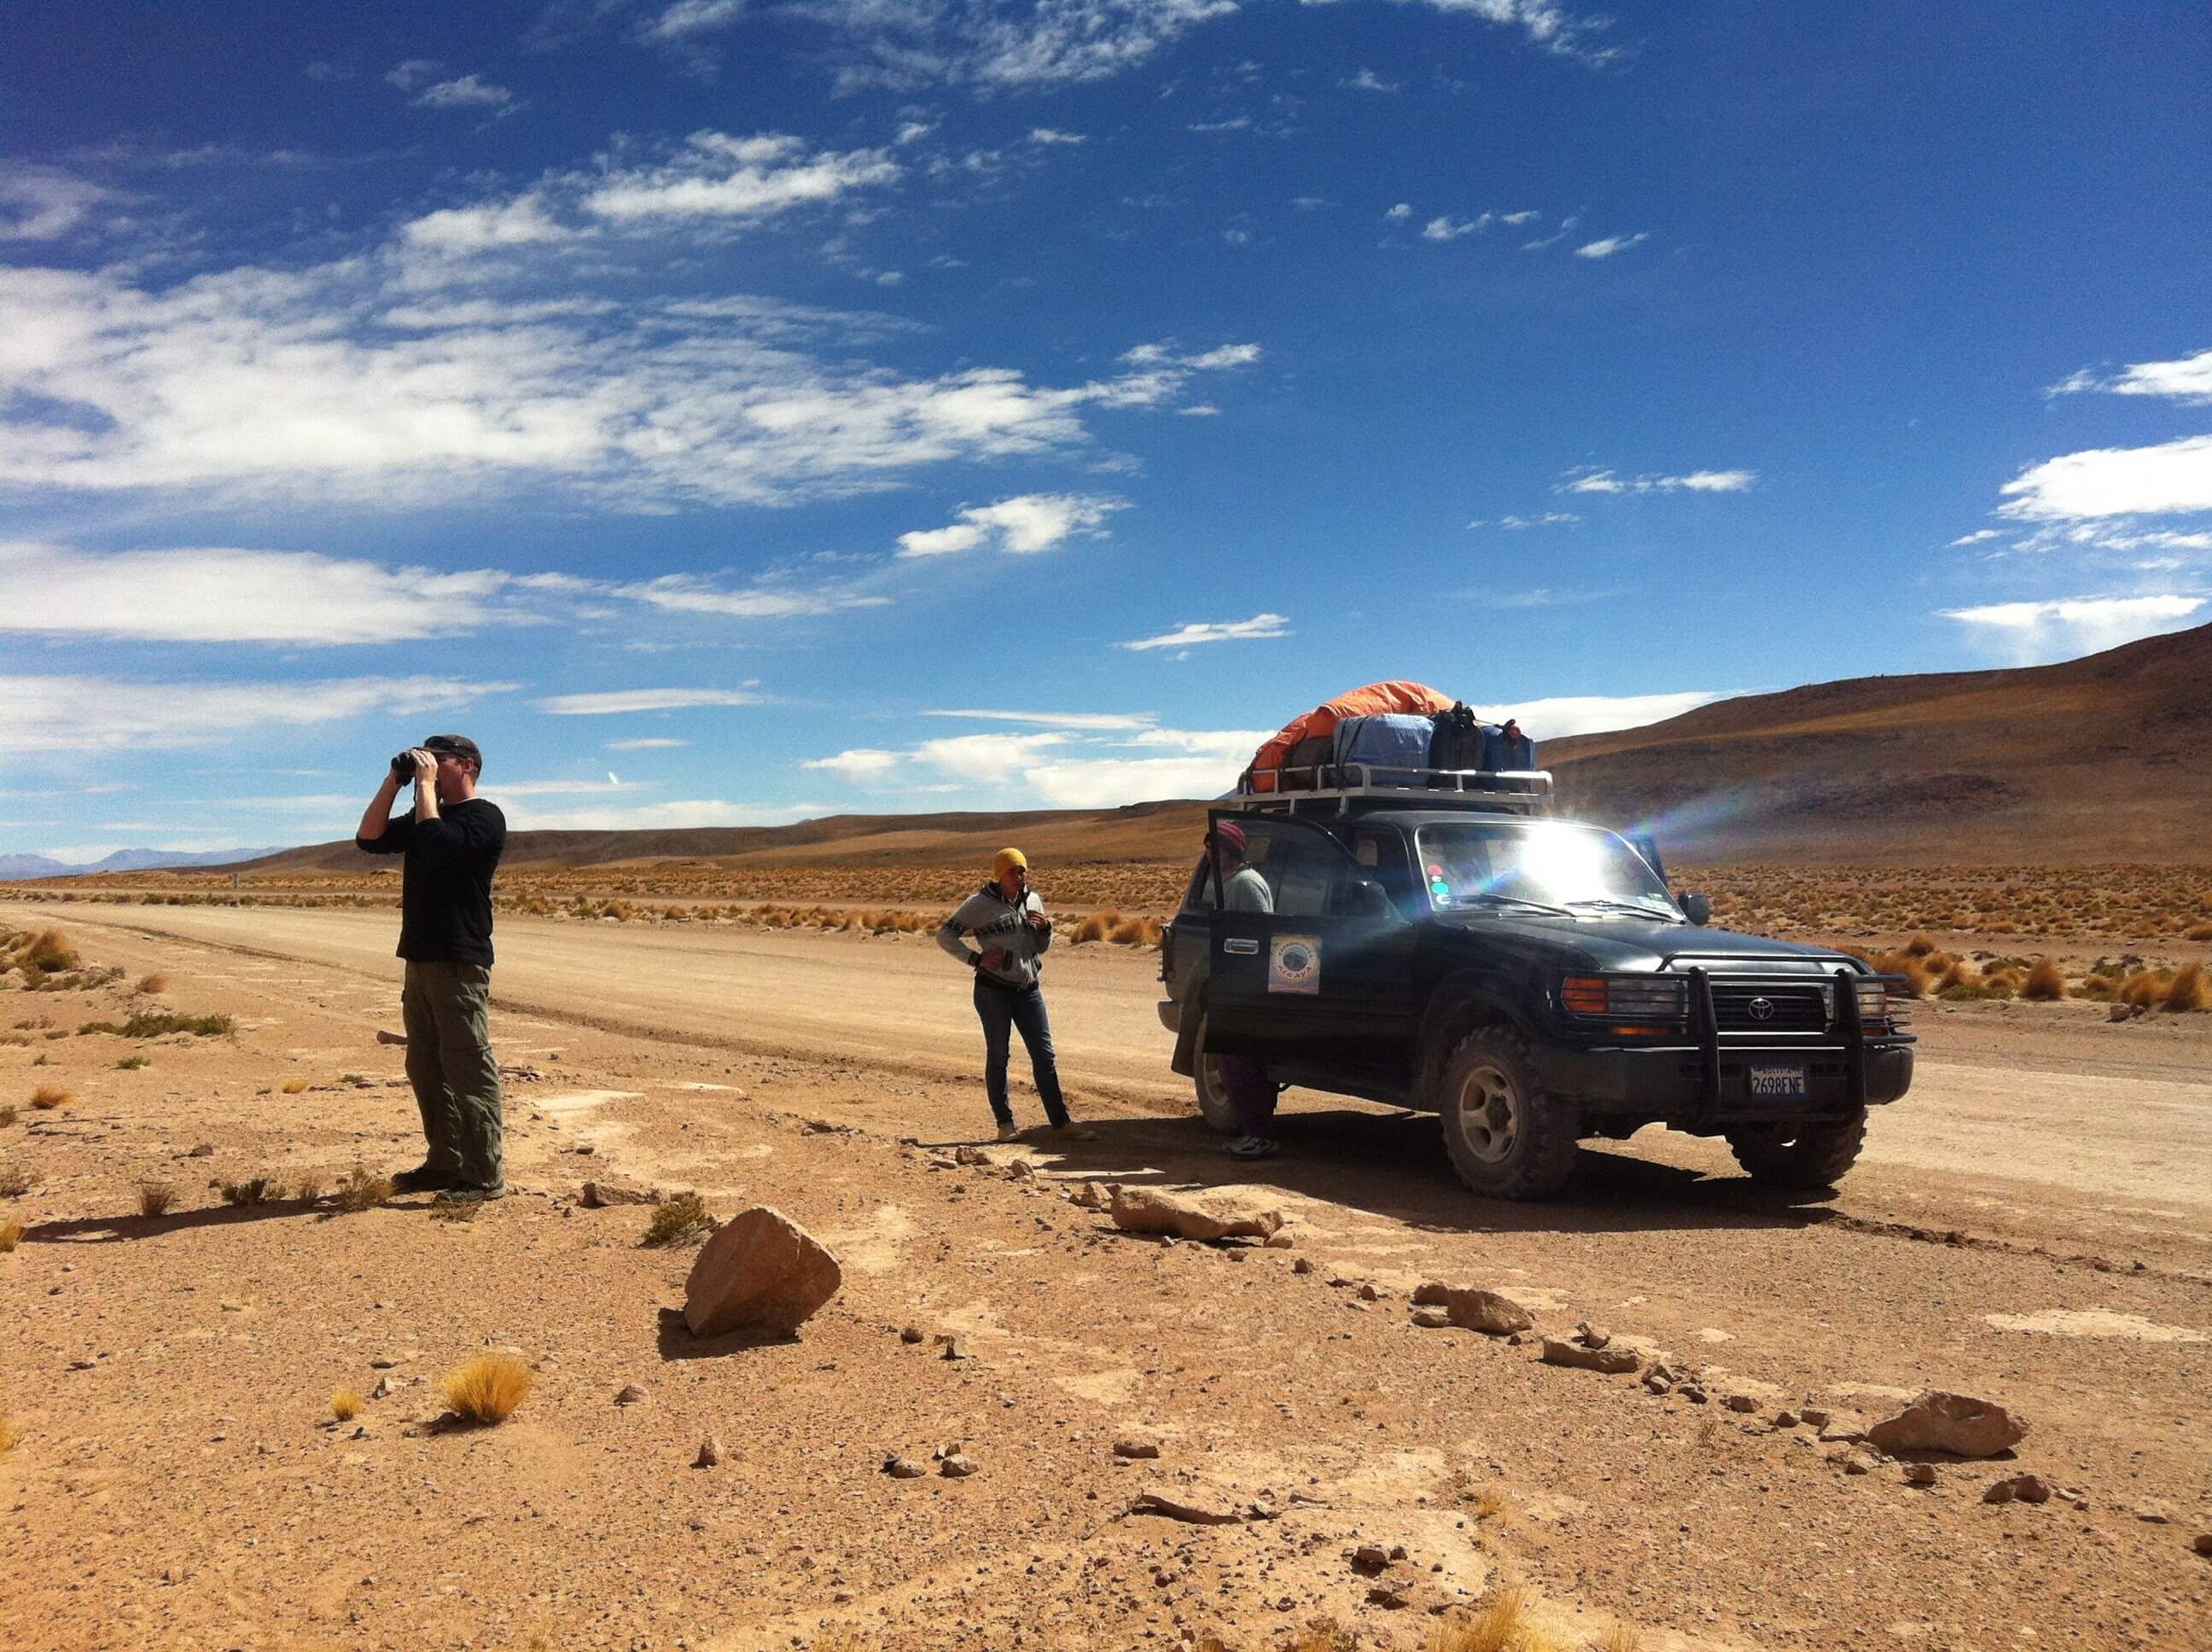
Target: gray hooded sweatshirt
(999, 925)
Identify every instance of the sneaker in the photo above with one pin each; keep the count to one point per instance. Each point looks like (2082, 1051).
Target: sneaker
(1072, 1131)
(473, 1192)
(424, 1180)
(1253, 1146)
(1009, 1132)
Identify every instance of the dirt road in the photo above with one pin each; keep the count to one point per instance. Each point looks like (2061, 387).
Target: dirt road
(2034, 1224)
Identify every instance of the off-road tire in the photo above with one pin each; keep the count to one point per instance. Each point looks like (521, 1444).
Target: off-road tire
(1506, 1138)
(1800, 1156)
(1213, 1104)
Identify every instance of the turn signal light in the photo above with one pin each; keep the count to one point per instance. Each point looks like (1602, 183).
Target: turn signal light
(1584, 994)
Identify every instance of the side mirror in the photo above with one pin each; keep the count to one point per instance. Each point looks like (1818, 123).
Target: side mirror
(1698, 909)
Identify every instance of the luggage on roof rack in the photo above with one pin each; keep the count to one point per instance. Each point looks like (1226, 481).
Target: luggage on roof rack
(1275, 756)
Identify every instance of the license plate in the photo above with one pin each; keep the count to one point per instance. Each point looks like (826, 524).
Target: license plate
(1779, 1082)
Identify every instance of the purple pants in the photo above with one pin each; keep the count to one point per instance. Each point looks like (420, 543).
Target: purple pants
(1250, 1088)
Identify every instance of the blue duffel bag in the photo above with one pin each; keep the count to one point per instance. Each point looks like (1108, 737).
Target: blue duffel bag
(1394, 747)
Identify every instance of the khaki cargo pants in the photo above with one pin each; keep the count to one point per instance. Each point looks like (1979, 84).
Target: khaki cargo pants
(446, 1008)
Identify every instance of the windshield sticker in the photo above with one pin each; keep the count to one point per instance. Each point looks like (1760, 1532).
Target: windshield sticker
(1294, 964)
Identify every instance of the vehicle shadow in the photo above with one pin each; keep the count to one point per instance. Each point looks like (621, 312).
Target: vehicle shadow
(1393, 1164)
(118, 1230)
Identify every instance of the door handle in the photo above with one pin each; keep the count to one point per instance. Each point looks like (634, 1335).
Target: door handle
(1248, 948)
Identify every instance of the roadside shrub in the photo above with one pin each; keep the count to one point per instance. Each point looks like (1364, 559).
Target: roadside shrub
(2143, 987)
(11, 1234)
(47, 1097)
(150, 1025)
(1921, 946)
(486, 1388)
(2044, 984)
(1500, 1627)
(255, 1190)
(155, 1198)
(308, 1187)
(133, 1063)
(50, 952)
(1096, 927)
(677, 1221)
(7, 1116)
(293, 1086)
(15, 1182)
(2188, 990)
(358, 1191)
(2197, 932)
(149, 985)
(1126, 932)
(345, 1405)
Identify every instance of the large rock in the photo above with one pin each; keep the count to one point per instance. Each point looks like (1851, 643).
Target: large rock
(1189, 1216)
(1956, 1423)
(762, 1272)
(1474, 1310)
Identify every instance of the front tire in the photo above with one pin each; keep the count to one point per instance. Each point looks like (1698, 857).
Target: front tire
(1800, 1157)
(1213, 1104)
(1506, 1138)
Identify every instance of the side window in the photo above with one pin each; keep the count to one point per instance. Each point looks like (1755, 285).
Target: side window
(1384, 854)
(1200, 893)
(1301, 866)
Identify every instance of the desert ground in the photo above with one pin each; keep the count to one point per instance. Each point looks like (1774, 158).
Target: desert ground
(2032, 1224)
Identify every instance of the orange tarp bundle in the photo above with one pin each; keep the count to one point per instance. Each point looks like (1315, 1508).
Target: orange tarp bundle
(1417, 697)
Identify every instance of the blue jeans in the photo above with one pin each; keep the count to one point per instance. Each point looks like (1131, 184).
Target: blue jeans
(1001, 1010)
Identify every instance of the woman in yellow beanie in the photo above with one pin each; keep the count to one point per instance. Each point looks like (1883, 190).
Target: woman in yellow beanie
(1008, 923)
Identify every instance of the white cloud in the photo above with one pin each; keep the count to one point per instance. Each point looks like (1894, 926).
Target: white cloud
(1610, 244)
(614, 702)
(685, 593)
(1558, 716)
(500, 225)
(913, 131)
(1024, 523)
(715, 176)
(1450, 229)
(43, 203)
(1558, 235)
(2173, 478)
(1088, 720)
(1237, 123)
(665, 816)
(644, 745)
(210, 594)
(469, 92)
(1090, 760)
(1189, 635)
(1400, 212)
(2030, 632)
(1548, 519)
(564, 788)
(687, 18)
(990, 758)
(2187, 379)
(1586, 480)
(860, 763)
(416, 72)
(1516, 219)
(1978, 536)
(1047, 134)
(1368, 81)
(93, 713)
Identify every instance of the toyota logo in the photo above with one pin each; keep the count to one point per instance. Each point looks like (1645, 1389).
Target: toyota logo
(1760, 1009)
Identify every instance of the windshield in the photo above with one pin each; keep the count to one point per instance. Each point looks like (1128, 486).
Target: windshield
(1477, 864)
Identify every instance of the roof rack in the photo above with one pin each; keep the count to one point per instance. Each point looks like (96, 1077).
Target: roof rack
(1343, 788)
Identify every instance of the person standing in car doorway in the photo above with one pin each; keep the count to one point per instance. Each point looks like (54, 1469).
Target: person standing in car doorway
(1007, 921)
(1249, 1084)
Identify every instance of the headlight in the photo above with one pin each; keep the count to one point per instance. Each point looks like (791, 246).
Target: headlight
(1628, 998)
(1878, 1011)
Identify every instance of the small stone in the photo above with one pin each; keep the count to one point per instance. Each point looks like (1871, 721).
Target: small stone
(1693, 1394)
(1474, 1309)
(1660, 1389)
(1280, 1242)
(1589, 1336)
(382, 1363)
(1844, 1428)
(1814, 1416)
(1432, 1318)
(1854, 1463)
(1370, 1293)
(1743, 1404)
(710, 1454)
(955, 1347)
(1612, 1361)
(631, 1394)
(903, 1469)
(2026, 1488)
(1920, 1473)
(761, 1271)
(2153, 1513)
(205, 1150)
(971, 1156)
(385, 1388)
(2204, 1542)
(910, 1335)
(606, 1192)
(1208, 1218)
(1371, 1555)
(1195, 1514)
(1091, 1197)
(386, 1036)
(1127, 1446)
(957, 1466)
(1303, 1265)
(1785, 1420)
(1021, 1170)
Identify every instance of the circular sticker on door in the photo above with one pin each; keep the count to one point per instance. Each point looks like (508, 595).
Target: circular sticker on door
(1294, 964)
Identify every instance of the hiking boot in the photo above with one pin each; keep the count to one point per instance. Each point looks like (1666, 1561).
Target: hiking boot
(1009, 1132)
(1253, 1146)
(1072, 1131)
(474, 1192)
(424, 1180)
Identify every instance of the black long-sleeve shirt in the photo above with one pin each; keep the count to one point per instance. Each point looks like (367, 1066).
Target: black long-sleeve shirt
(444, 895)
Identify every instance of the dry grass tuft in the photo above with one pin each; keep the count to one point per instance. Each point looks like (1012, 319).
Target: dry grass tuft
(2045, 985)
(1500, 1626)
(2189, 990)
(155, 1198)
(308, 1186)
(132, 1063)
(8, 1437)
(11, 1235)
(1620, 1638)
(358, 1190)
(48, 952)
(156, 983)
(1920, 945)
(486, 1388)
(1324, 1635)
(293, 1086)
(678, 1221)
(47, 1097)
(7, 1116)
(345, 1405)
(15, 1182)
(2144, 987)
(1130, 932)
(1096, 927)
(254, 1190)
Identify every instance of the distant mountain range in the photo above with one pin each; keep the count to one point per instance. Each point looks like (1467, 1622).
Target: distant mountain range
(17, 868)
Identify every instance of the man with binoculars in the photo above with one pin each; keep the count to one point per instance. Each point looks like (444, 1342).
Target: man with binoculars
(452, 840)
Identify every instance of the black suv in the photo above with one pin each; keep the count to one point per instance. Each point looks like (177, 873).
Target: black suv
(1529, 979)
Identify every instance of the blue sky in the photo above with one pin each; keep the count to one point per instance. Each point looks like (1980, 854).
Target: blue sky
(728, 411)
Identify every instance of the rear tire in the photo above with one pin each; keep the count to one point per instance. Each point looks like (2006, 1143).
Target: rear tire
(1506, 1138)
(1213, 1104)
(1801, 1156)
